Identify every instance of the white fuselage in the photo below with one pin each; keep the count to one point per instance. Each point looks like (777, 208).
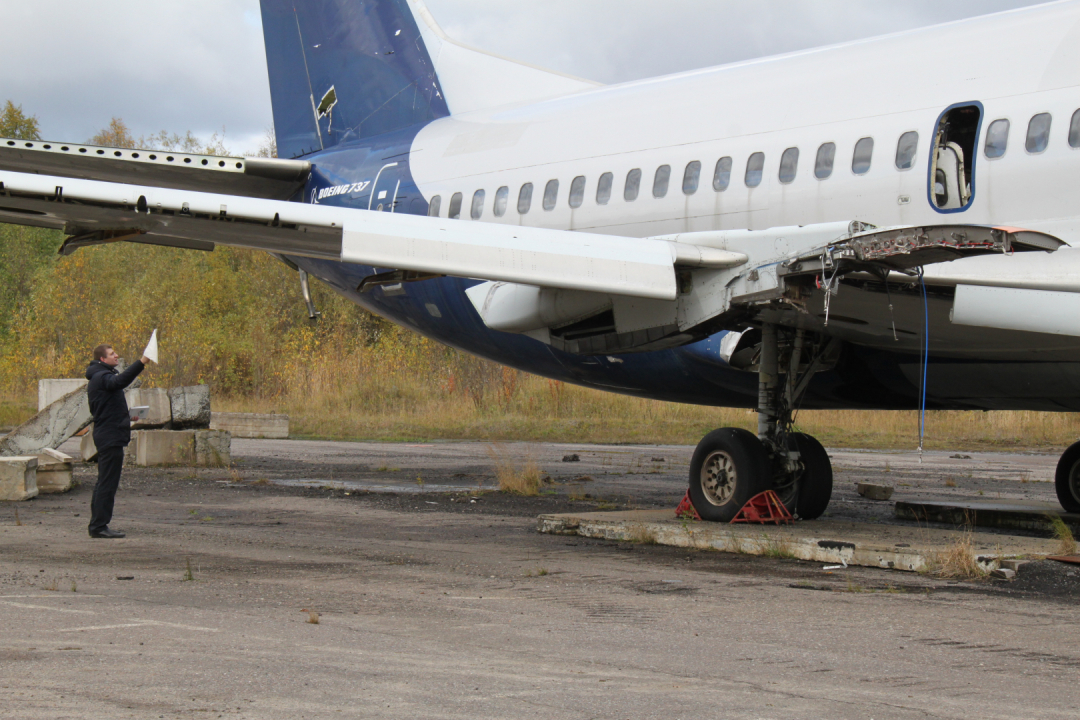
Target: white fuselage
(1016, 64)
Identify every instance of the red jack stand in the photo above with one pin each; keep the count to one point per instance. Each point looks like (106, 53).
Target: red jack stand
(763, 508)
(686, 508)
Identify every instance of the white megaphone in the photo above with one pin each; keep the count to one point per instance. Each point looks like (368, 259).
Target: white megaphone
(151, 348)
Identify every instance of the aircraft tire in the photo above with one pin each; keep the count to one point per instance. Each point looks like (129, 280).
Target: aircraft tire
(1067, 479)
(729, 467)
(816, 482)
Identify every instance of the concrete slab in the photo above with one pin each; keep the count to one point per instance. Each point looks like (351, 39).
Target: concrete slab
(165, 447)
(252, 425)
(827, 541)
(53, 472)
(157, 400)
(50, 427)
(1014, 514)
(213, 448)
(190, 406)
(49, 391)
(18, 478)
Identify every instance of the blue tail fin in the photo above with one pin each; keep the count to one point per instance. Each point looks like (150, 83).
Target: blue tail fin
(343, 70)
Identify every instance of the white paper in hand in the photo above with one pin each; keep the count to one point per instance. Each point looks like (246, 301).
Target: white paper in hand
(151, 347)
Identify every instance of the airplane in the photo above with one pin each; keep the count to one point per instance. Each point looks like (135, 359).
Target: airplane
(880, 224)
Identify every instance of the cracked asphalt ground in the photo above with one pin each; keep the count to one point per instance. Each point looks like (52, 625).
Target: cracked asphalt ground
(430, 605)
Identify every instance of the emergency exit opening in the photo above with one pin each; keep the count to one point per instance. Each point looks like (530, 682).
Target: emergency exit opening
(952, 162)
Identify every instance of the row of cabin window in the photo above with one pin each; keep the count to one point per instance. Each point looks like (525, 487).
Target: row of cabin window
(1038, 135)
(997, 137)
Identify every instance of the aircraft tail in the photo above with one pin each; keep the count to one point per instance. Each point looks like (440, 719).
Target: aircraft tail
(344, 70)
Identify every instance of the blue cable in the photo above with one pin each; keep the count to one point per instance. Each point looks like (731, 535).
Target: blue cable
(925, 361)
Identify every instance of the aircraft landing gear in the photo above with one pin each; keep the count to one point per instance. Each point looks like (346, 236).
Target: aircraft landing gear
(1067, 479)
(731, 465)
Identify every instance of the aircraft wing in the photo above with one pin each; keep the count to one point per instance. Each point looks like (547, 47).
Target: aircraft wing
(249, 177)
(584, 293)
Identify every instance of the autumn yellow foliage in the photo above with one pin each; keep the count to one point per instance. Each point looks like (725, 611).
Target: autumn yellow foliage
(235, 319)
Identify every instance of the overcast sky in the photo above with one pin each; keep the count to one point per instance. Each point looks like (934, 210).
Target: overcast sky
(199, 65)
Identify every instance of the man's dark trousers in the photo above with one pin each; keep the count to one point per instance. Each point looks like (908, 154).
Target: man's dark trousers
(110, 463)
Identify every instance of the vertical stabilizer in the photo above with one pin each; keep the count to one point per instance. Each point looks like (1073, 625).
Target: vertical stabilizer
(344, 70)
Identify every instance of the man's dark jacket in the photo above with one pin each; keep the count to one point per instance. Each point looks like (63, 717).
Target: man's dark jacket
(112, 423)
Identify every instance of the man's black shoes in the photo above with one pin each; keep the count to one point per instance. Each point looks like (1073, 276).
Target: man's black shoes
(107, 533)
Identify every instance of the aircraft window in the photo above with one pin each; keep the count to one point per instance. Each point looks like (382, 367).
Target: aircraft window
(477, 208)
(754, 167)
(690, 177)
(997, 138)
(860, 159)
(500, 200)
(603, 189)
(722, 174)
(823, 165)
(551, 194)
(434, 206)
(1074, 130)
(577, 191)
(789, 165)
(1038, 133)
(525, 198)
(660, 181)
(455, 207)
(633, 183)
(906, 148)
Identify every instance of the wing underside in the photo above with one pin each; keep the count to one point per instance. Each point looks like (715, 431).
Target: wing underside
(582, 293)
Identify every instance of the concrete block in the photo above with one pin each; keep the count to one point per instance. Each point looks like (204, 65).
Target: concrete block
(875, 492)
(157, 399)
(165, 447)
(53, 472)
(190, 406)
(1013, 564)
(251, 425)
(213, 448)
(50, 427)
(49, 391)
(87, 448)
(1003, 573)
(131, 450)
(18, 477)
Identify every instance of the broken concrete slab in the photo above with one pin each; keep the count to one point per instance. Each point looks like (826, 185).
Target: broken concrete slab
(157, 400)
(190, 406)
(165, 447)
(829, 541)
(213, 448)
(1003, 573)
(49, 427)
(1014, 564)
(252, 425)
(871, 491)
(53, 472)
(49, 391)
(18, 478)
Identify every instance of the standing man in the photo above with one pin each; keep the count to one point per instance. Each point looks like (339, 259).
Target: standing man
(112, 431)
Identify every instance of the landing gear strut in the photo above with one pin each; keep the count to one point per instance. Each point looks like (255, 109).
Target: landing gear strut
(731, 465)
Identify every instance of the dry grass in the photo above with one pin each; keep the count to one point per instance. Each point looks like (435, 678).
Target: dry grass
(516, 477)
(958, 560)
(1063, 534)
